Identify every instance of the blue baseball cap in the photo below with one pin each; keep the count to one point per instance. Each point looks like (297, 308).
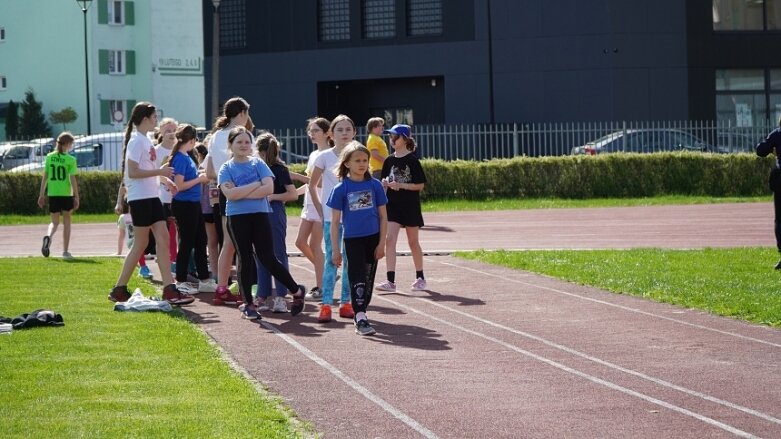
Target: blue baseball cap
(399, 130)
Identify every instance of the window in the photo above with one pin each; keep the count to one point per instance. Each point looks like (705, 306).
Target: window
(393, 116)
(88, 156)
(379, 18)
(2, 34)
(115, 12)
(333, 18)
(233, 27)
(730, 15)
(2, 83)
(116, 62)
(117, 112)
(741, 97)
(424, 17)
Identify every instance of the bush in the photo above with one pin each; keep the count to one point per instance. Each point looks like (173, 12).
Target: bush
(604, 176)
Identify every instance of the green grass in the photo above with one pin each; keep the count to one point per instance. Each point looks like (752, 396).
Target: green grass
(450, 206)
(736, 282)
(113, 374)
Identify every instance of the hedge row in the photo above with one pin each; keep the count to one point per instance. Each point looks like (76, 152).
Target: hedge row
(606, 176)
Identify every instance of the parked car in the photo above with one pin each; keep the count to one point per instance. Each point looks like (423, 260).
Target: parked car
(98, 152)
(26, 152)
(730, 141)
(644, 141)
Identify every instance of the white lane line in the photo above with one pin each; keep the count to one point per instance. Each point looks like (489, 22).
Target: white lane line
(398, 414)
(606, 363)
(584, 375)
(602, 302)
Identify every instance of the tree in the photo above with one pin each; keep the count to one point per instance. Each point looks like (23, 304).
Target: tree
(12, 121)
(33, 123)
(65, 116)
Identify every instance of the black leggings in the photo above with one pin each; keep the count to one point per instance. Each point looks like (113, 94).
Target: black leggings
(361, 268)
(192, 236)
(777, 207)
(253, 230)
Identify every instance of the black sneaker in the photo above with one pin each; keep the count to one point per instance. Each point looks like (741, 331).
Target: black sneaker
(362, 327)
(45, 247)
(298, 301)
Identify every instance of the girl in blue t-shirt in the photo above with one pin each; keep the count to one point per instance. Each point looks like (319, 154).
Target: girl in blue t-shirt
(246, 181)
(186, 207)
(358, 203)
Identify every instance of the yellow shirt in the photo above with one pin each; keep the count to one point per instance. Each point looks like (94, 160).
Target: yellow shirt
(375, 143)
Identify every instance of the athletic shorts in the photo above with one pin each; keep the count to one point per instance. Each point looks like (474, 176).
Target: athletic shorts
(60, 204)
(146, 212)
(309, 213)
(405, 217)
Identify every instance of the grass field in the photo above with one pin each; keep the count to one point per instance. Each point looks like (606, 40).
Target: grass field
(112, 374)
(450, 206)
(738, 282)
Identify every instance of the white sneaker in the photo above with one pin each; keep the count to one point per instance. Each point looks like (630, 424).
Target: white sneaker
(418, 285)
(279, 305)
(386, 286)
(187, 288)
(207, 286)
(266, 305)
(67, 255)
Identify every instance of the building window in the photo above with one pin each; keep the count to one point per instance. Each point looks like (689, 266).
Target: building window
(730, 15)
(233, 24)
(742, 96)
(333, 20)
(116, 112)
(2, 83)
(115, 15)
(379, 19)
(393, 116)
(116, 62)
(424, 17)
(2, 34)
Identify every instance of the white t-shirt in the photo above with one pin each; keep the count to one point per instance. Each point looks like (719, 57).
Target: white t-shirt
(310, 166)
(141, 151)
(163, 153)
(218, 148)
(327, 161)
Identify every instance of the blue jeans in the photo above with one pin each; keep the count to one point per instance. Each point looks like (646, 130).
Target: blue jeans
(278, 220)
(329, 272)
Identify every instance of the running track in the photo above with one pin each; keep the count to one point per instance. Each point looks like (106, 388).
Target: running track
(491, 352)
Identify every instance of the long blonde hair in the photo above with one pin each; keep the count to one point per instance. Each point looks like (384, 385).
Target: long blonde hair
(342, 171)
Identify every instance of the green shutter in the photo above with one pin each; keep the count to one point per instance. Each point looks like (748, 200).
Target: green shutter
(130, 13)
(130, 61)
(105, 110)
(129, 108)
(103, 61)
(102, 11)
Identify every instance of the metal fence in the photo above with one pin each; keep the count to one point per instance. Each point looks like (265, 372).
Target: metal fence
(446, 142)
(489, 141)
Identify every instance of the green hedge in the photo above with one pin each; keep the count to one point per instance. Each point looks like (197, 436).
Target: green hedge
(605, 176)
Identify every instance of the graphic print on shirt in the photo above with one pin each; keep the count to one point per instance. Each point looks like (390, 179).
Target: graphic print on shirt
(401, 175)
(360, 200)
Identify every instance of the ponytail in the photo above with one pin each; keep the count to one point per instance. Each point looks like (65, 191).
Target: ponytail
(232, 108)
(65, 138)
(184, 133)
(139, 112)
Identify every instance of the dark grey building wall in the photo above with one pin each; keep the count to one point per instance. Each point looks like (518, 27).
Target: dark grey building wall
(567, 60)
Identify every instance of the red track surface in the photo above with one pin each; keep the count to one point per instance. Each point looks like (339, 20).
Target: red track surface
(491, 352)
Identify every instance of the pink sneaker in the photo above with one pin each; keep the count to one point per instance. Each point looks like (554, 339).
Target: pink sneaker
(418, 285)
(386, 286)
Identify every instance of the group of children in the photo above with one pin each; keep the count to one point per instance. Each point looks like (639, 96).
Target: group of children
(356, 200)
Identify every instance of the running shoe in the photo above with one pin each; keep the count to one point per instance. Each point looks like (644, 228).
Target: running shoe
(418, 285)
(279, 305)
(67, 255)
(264, 304)
(314, 294)
(207, 285)
(346, 311)
(298, 301)
(175, 297)
(187, 288)
(45, 247)
(145, 272)
(386, 286)
(249, 313)
(119, 294)
(325, 314)
(223, 296)
(362, 327)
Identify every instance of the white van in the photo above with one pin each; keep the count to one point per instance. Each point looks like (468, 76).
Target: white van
(98, 152)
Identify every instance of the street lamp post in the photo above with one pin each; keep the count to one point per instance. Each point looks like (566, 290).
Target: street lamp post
(84, 5)
(216, 60)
